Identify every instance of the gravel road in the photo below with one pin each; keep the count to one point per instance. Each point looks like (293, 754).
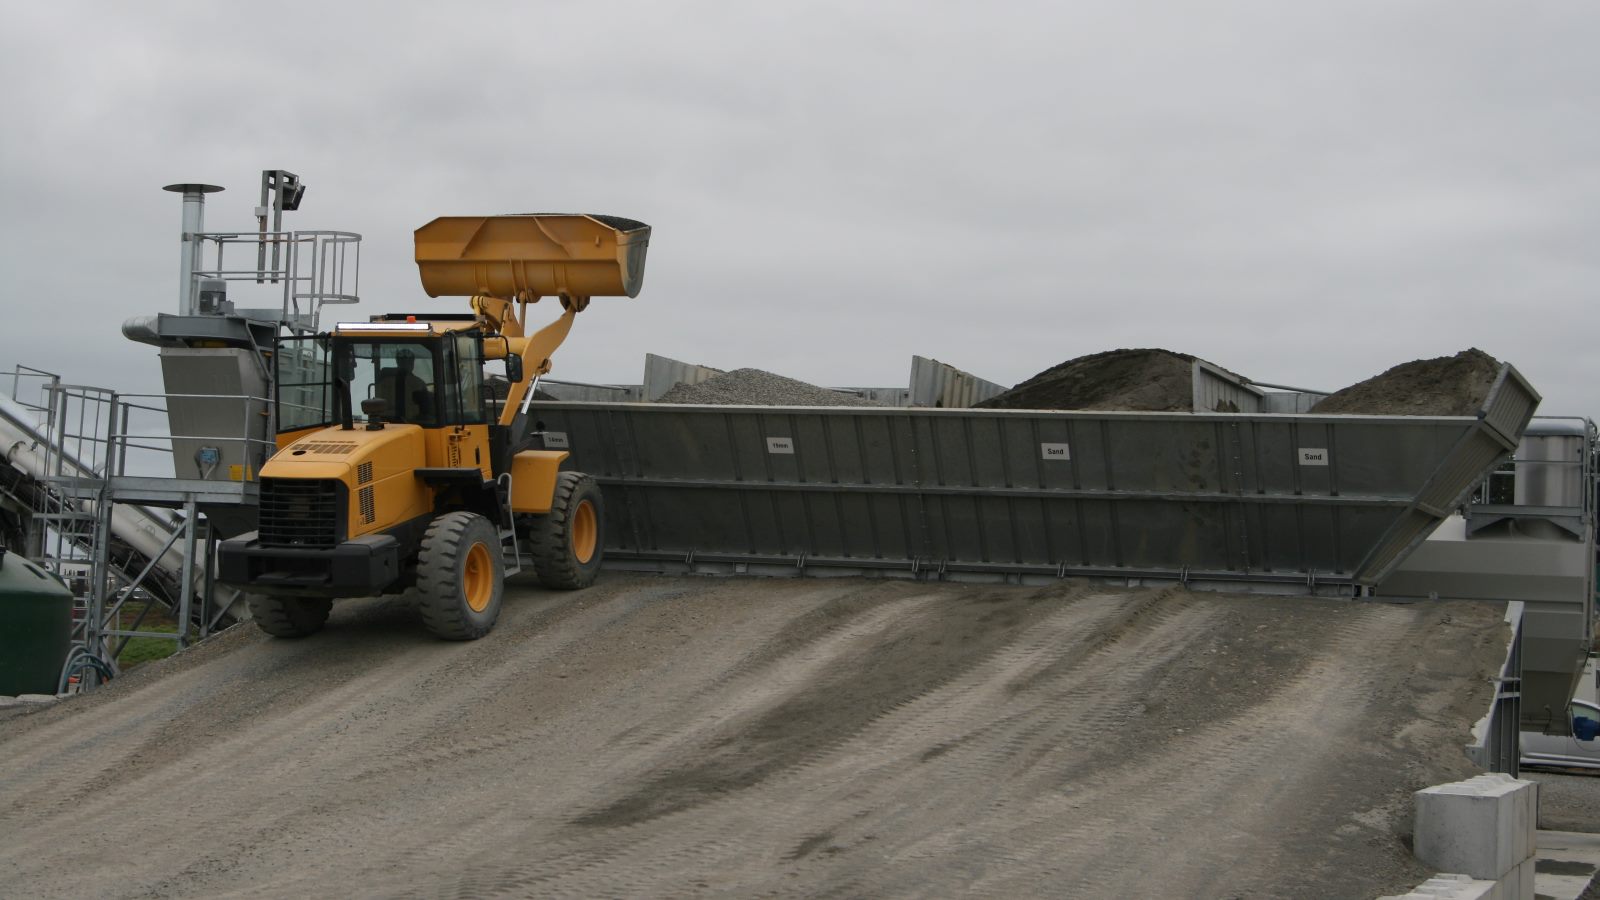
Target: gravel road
(1568, 800)
(660, 736)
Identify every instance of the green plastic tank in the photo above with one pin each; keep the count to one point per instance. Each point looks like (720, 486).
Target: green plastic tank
(35, 627)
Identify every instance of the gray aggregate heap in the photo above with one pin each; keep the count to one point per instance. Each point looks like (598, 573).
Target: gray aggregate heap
(753, 387)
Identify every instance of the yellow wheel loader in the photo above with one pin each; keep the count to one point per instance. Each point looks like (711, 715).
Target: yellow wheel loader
(429, 489)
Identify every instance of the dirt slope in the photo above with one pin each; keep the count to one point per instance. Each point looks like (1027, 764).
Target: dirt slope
(673, 737)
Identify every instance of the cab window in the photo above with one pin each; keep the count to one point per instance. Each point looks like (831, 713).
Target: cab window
(401, 373)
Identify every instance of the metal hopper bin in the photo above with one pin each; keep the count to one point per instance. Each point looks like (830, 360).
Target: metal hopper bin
(1293, 503)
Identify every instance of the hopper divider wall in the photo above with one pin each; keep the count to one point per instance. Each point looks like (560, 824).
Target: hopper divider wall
(1281, 502)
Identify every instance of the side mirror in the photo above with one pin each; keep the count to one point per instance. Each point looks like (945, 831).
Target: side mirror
(514, 369)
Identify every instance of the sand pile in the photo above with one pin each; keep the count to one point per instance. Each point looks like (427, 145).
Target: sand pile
(1149, 380)
(1444, 386)
(753, 387)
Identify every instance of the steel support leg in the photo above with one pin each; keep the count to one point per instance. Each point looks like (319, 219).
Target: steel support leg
(186, 598)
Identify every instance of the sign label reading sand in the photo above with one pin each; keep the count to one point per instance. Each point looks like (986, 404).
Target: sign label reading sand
(555, 440)
(780, 445)
(1313, 456)
(1055, 451)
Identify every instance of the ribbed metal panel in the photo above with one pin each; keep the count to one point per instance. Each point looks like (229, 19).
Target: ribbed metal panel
(1290, 402)
(1218, 390)
(1328, 499)
(944, 386)
(661, 374)
(1510, 405)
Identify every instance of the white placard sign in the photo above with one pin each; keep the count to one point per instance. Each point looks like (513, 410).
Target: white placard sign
(555, 440)
(780, 445)
(1055, 451)
(1313, 456)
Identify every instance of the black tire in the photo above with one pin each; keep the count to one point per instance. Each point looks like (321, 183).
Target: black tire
(568, 542)
(460, 576)
(288, 617)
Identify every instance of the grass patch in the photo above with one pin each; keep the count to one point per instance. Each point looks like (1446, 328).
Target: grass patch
(147, 649)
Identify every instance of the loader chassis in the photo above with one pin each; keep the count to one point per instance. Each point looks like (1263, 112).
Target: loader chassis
(398, 471)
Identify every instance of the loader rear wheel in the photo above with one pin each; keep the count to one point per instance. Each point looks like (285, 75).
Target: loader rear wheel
(460, 576)
(288, 617)
(568, 542)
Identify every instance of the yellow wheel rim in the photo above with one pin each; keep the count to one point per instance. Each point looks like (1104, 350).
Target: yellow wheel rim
(585, 532)
(477, 578)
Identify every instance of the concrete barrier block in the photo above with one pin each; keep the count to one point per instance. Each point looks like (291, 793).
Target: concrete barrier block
(1483, 827)
(1518, 883)
(1450, 887)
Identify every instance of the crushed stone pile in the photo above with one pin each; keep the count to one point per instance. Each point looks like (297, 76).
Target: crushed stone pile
(1443, 386)
(753, 387)
(1147, 380)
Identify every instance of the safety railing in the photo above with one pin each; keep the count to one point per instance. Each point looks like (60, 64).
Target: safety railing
(316, 268)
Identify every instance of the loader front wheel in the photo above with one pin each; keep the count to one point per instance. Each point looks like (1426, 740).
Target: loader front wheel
(288, 617)
(460, 576)
(568, 542)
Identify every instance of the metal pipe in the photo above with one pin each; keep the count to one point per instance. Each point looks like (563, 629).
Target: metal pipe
(1285, 387)
(194, 222)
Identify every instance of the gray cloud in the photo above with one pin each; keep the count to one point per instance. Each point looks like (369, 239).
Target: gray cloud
(1303, 193)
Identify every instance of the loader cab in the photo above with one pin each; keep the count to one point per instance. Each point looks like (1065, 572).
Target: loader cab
(424, 378)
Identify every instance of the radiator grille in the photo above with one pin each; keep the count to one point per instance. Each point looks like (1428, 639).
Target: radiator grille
(299, 512)
(364, 473)
(369, 509)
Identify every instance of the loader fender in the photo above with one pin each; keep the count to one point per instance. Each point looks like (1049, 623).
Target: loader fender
(533, 479)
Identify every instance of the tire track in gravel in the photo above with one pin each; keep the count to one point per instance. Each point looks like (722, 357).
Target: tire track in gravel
(335, 678)
(1097, 629)
(488, 825)
(1229, 797)
(694, 736)
(768, 683)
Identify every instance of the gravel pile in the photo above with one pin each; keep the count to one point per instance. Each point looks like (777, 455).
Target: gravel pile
(753, 387)
(1149, 380)
(1444, 386)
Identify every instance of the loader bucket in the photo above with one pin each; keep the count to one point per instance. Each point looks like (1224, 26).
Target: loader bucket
(535, 255)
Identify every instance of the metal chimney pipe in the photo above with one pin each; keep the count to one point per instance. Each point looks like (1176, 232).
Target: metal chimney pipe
(194, 222)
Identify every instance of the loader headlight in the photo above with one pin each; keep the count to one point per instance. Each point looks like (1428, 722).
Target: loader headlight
(354, 327)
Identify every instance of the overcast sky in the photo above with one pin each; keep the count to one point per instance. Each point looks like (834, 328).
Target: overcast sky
(1303, 193)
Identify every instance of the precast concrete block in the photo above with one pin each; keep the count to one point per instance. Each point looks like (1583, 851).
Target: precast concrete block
(1518, 883)
(1449, 887)
(1483, 826)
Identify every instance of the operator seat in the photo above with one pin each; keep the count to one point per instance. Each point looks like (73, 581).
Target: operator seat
(407, 393)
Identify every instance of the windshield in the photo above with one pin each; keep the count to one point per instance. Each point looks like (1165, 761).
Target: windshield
(401, 373)
(431, 382)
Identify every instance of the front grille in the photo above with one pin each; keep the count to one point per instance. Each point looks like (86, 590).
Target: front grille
(299, 512)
